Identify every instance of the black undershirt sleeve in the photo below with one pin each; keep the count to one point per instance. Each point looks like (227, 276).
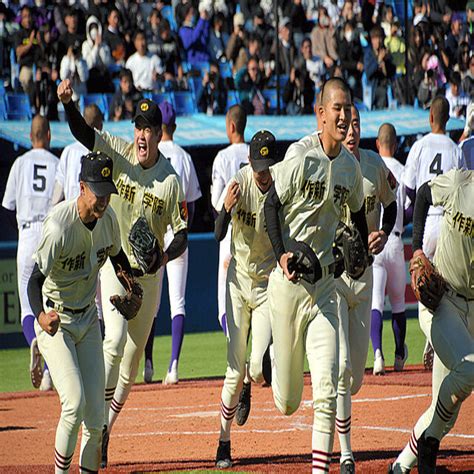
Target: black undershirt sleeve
(389, 217)
(423, 202)
(222, 224)
(79, 128)
(178, 245)
(191, 210)
(272, 221)
(35, 285)
(120, 262)
(360, 222)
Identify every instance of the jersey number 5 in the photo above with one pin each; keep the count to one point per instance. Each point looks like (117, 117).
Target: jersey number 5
(435, 167)
(39, 181)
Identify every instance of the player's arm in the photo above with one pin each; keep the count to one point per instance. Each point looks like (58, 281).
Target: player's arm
(271, 209)
(58, 194)
(49, 321)
(423, 202)
(223, 219)
(78, 126)
(120, 262)
(360, 222)
(378, 239)
(177, 246)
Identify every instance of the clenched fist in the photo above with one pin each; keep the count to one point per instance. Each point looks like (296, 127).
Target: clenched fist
(49, 322)
(65, 91)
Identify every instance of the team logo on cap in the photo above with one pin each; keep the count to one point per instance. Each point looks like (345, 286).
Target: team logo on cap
(264, 151)
(105, 172)
(144, 107)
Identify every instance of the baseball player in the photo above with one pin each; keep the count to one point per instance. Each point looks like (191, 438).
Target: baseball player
(148, 187)
(450, 327)
(354, 296)
(226, 165)
(432, 155)
(76, 239)
(467, 144)
(389, 273)
(311, 185)
(247, 278)
(28, 191)
(177, 270)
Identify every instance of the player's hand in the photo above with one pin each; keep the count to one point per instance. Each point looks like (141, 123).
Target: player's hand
(49, 322)
(65, 91)
(377, 241)
(284, 259)
(232, 196)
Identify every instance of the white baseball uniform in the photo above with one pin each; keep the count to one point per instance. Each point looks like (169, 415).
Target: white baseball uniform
(69, 168)
(29, 191)
(430, 156)
(177, 269)
(226, 165)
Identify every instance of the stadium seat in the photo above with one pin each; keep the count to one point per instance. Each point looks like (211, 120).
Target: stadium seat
(271, 97)
(160, 97)
(232, 98)
(18, 107)
(167, 13)
(185, 103)
(201, 66)
(14, 71)
(99, 99)
(366, 92)
(360, 106)
(195, 85)
(225, 69)
(3, 108)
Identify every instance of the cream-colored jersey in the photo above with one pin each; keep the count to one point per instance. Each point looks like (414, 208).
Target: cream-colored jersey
(313, 189)
(70, 255)
(454, 256)
(251, 247)
(379, 186)
(154, 192)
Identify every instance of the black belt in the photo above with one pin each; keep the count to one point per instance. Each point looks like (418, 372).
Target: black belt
(460, 295)
(61, 309)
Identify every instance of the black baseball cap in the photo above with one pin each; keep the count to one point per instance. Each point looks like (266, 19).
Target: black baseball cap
(96, 171)
(148, 113)
(262, 150)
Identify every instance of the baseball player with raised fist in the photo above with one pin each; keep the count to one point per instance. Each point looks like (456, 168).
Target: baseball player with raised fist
(447, 320)
(77, 238)
(177, 270)
(311, 185)
(354, 292)
(149, 200)
(247, 279)
(389, 270)
(29, 191)
(430, 156)
(226, 165)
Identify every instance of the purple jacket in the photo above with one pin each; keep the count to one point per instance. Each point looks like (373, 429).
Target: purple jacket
(195, 41)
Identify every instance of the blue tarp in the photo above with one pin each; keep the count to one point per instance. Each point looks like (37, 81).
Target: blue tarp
(201, 130)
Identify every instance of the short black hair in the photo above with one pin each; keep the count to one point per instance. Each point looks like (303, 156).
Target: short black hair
(440, 111)
(337, 82)
(237, 114)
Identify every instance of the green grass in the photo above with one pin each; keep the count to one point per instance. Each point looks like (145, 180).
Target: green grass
(203, 355)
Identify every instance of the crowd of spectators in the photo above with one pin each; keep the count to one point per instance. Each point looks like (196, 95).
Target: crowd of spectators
(127, 48)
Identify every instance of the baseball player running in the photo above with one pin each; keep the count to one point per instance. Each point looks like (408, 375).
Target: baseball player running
(247, 278)
(150, 196)
(226, 165)
(177, 269)
(76, 239)
(354, 296)
(389, 271)
(28, 191)
(450, 326)
(315, 180)
(432, 155)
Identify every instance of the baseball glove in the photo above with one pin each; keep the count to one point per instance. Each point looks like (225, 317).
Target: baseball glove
(427, 284)
(145, 247)
(349, 241)
(130, 303)
(304, 262)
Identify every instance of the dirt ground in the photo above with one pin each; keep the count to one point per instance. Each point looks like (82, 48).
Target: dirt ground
(164, 428)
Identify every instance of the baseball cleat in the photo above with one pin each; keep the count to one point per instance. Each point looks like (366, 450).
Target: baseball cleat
(223, 458)
(172, 375)
(348, 467)
(395, 468)
(36, 368)
(428, 356)
(148, 371)
(46, 382)
(379, 363)
(428, 448)
(105, 447)
(399, 362)
(243, 408)
(267, 367)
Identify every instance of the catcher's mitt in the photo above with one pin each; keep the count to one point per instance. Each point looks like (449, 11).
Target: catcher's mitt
(145, 246)
(427, 284)
(349, 242)
(304, 262)
(130, 303)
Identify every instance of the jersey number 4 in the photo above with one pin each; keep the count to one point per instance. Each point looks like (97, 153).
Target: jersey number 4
(39, 181)
(435, 167)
